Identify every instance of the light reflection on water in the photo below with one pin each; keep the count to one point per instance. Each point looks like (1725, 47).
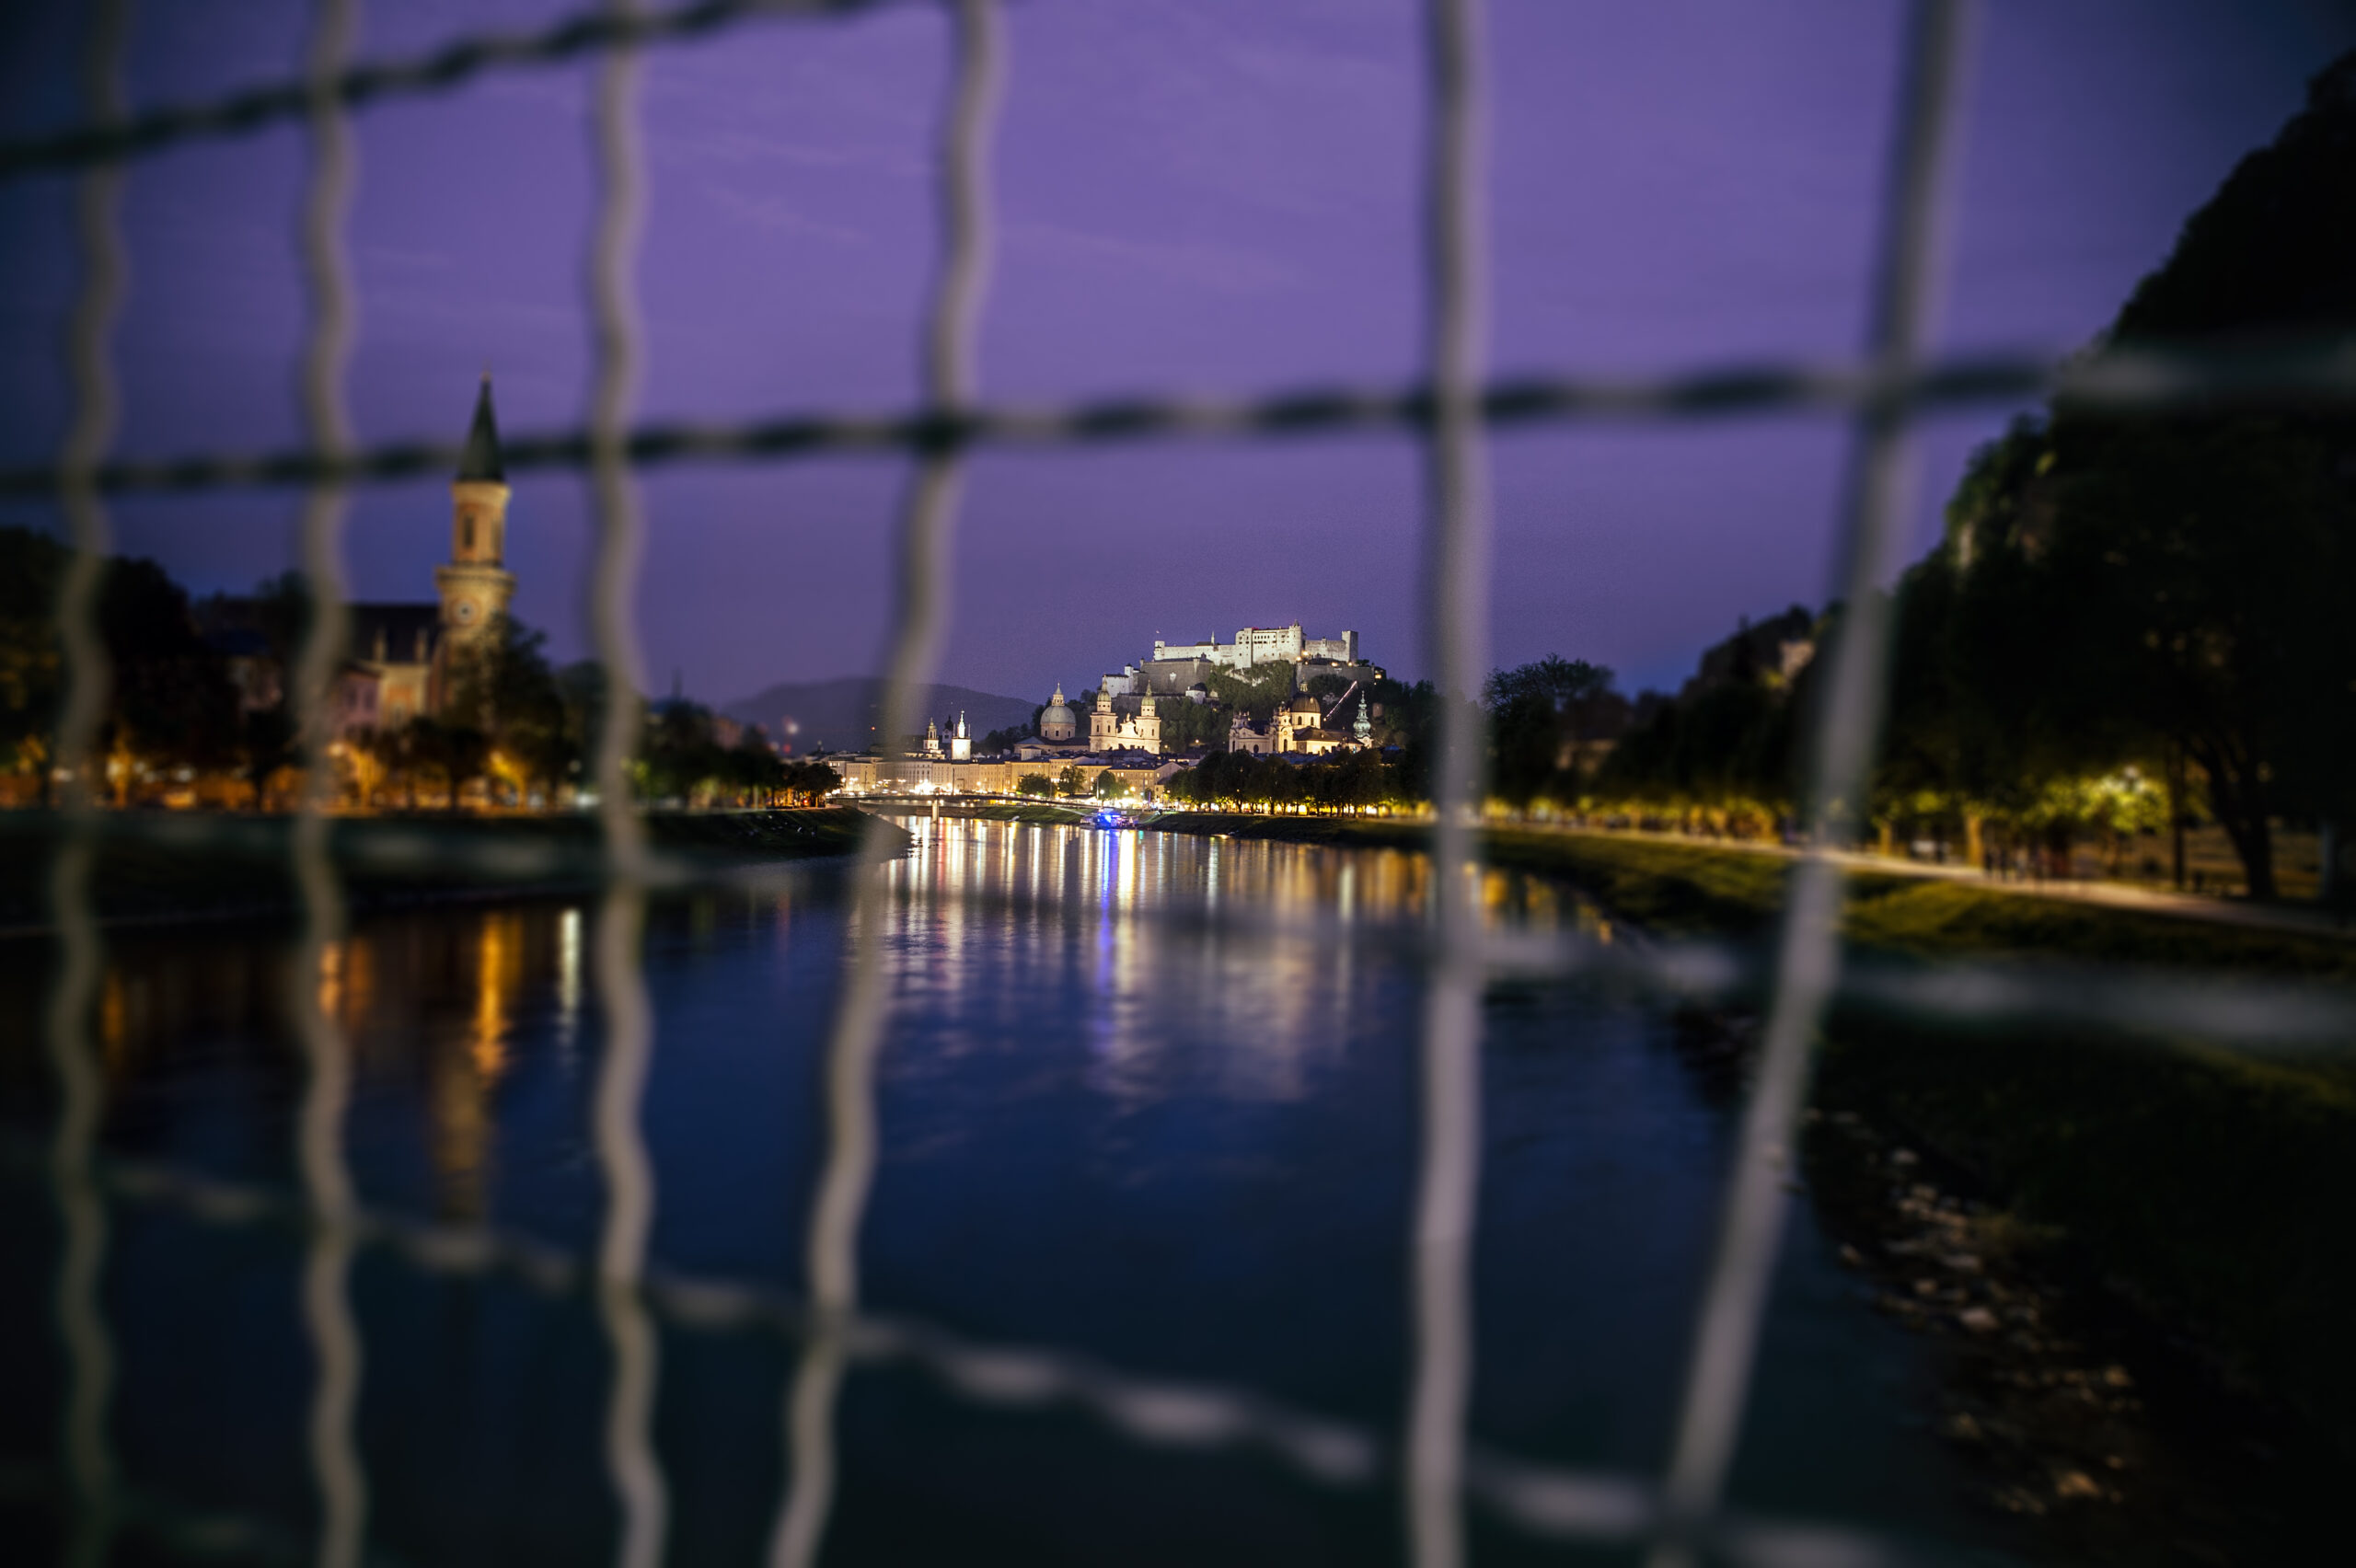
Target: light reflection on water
(1139, 1097)
(1278, 985)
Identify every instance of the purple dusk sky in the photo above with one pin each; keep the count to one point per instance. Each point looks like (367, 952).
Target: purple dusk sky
(1215, 196)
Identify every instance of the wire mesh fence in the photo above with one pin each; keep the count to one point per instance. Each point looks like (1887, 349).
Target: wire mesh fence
(1429, 1460)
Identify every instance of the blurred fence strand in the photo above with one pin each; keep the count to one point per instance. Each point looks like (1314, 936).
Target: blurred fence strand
(1157, 1415)
(112, 138)
(1808, 959)
(315, 979)
(919, 627)
(632, 1463)
(1456, 576)
(82, 1440)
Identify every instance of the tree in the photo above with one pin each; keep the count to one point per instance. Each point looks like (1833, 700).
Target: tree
(1532, 713)
(1111, 786)
(2180, 583)
(33, 567)
(171, 703)
(2208, 569)
(455, 754)
(1071, 782)
(1037, 785)
(809, 781)
(1186, 724)
(503, 687)
(1256, 690)
(265, 744)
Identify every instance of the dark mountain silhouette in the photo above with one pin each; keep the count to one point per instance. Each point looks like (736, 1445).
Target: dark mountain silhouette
(842, 715)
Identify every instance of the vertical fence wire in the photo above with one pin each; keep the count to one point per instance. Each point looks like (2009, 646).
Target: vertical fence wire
(631, 1462)
(315, 979)
(1808, 956)
(919, 626)
(1456, 585)
(81, 1080)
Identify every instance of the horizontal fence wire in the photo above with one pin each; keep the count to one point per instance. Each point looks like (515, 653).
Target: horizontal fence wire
(1549, 1501)
(183, 1531)
(2128, 380)
(113, 139)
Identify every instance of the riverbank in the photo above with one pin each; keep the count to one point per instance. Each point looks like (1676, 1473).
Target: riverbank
(158, 868)
(2052, 1204)
(2210, 1190)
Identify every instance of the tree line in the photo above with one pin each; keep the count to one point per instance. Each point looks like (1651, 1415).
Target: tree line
(2131, 622)
(184, 706)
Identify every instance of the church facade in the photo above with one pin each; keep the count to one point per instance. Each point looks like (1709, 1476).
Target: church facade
(1111, 731)
(402, 657)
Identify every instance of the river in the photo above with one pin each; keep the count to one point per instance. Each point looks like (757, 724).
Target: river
(1126, 1114)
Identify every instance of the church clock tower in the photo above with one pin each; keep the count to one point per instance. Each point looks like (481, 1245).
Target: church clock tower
(476, 586)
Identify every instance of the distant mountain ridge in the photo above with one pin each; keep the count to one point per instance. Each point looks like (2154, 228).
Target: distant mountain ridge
(842, 715)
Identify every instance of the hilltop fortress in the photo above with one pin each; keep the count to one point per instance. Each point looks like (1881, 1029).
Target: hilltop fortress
(1263, 645)
(1185, 669)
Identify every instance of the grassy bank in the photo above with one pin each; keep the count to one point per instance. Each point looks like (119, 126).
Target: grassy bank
(2214, 1189)
(152, 868)
(1700, 890)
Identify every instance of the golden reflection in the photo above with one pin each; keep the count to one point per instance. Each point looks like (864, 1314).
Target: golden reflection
(331, 980)
(463, 1073)
(114, 1021)
(355, 974)
(568, 970)
(1255, 1007)
(459, 1105)
(499, 976)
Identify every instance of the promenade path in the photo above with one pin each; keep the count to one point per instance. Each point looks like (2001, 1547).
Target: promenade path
(2110, 894)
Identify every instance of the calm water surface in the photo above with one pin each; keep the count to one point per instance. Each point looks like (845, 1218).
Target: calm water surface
(1180, 1146)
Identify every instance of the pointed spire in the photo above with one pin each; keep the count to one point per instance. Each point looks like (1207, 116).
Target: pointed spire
(481, 460)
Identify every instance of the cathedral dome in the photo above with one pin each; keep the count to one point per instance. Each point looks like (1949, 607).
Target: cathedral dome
(1058, 722)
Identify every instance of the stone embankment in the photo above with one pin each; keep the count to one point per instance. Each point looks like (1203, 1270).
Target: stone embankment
(158, 868)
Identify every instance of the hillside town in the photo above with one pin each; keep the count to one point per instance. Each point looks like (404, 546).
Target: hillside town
(1269, 693)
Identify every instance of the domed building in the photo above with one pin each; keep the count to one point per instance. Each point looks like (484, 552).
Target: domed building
(1058, 722)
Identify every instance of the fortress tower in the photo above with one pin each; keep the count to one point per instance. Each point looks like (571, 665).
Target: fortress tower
(476, 586)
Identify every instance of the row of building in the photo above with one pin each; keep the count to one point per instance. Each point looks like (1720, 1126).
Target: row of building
(1124, 739)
